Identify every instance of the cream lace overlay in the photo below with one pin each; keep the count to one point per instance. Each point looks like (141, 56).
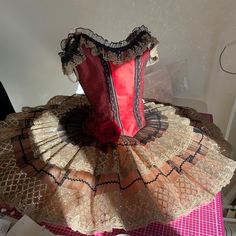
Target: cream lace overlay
(147, 199)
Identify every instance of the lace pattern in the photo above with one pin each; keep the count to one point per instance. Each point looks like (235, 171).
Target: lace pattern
(136, 184)
(117, 52)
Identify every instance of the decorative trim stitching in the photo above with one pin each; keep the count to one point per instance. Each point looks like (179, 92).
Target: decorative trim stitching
(189, 159)
(111, 90)
(137, 82)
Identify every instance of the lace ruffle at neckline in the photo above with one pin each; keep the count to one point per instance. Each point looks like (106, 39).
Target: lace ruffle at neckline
(117, 52)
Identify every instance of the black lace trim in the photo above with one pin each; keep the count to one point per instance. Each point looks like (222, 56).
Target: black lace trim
(156, 124)
(205, 125)
(70, 124)
(137, 82)
(111, 90)
(178, 169)
(135, 44)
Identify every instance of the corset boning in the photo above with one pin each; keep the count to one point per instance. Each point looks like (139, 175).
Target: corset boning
(114, 91)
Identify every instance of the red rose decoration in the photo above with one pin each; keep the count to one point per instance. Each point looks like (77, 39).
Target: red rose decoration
(108, 132)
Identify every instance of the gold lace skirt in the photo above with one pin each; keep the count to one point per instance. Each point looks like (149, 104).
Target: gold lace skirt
(52, 171)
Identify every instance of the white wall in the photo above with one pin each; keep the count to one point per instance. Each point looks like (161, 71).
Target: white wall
(221, 88)
(31, 30)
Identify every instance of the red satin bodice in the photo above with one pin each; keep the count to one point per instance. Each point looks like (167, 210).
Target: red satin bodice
(114, 91)
(112, 77)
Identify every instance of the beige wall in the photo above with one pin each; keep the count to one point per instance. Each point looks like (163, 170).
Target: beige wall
(30, 32)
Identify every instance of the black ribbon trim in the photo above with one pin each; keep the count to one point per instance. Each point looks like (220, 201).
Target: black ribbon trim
(189, 159)
(73, 41)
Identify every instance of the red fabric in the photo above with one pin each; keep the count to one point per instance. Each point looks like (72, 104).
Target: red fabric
(92, 79)
(93, 82)
(108, 132)
(123, 80)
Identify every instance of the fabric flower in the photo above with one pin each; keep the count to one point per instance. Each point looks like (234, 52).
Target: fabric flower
(108, 132)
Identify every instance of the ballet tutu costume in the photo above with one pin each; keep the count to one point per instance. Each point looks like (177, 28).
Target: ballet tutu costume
(110, 158)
